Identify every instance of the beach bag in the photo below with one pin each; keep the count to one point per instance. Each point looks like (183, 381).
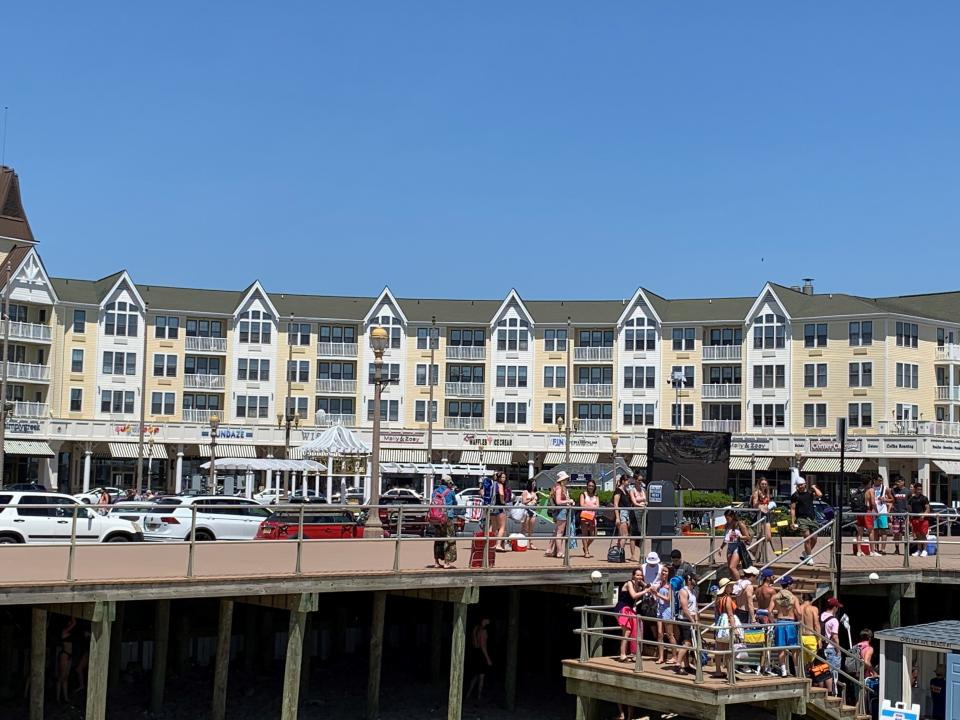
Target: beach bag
(615, 554)
(518, 513)
(438, 508)
(852, 663)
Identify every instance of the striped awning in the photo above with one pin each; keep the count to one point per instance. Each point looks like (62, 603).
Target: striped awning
(28, 447)
(740, 462)
(554, 458)
(638, 460)
(403, 455)
(831, 465)
(132, 450)
(226, 450)
(950, 467)
(490, 457)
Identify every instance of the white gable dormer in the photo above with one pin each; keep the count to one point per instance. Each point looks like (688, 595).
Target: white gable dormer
(119, 355)
(638, 356)
(768, 371)
(30, 282)
(512, 366)
(254, 370)
(386, 313)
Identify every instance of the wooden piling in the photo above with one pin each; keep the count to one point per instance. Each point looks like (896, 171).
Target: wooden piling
(458, 646)
(101, 622)
(222, 669)
(38, 661)
(376, 655)
(293, 664)
(161, 644)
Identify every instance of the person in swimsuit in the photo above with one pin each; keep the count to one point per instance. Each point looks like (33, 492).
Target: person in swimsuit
(787, 609)
(737, 534)
(560, 498)
(665, 602)
(631, 593)
(529, 501)
(621, 511)
(761, 501)
(65, 660)
(479, 659)
(590, 502)
(498, 516)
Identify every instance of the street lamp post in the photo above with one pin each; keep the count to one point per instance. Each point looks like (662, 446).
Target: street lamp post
(5, 405)
(143, 404)
(150, 445)
(379, 338)
(434, 340)
(567, 407)
(614, 439)
(678, 380)
(214, 424)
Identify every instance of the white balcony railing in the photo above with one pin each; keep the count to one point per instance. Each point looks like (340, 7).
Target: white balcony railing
(730, 426)
(28, 331)
(200, 416)
(326, 385)
(466, 352)
(329, 419)
(30, 410)
(204, 382)
(947, 393)
(721, 391)
(463, 423)
(461, 389)
(28, 372)
(948, 353)
(206, 344)
(590, 354)
(335, 349)
(721, 352)
(592, 425)
(590, 390)
(919, 427)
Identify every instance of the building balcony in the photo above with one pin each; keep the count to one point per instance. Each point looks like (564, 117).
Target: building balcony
(728, 426)
(463, 423)
(337, 387)
(28, 372)
(919, 427)
(30, 410)
(324, 419)
(592, 425)
(593, 354)
(721, 353)
(945, 393)
(948, 353)
(31, 332)
(461, 389)
(472, 353)
(206, 344)
(720, 391)
(204, 382)
(200, 416)
(590, 391)
(336, 350)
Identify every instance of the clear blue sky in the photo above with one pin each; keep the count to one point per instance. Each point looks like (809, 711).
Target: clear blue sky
(457, 149)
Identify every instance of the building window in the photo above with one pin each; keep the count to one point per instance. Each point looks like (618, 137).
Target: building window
(253, 369)
(688, 374)
(118, 402)
(17, 313)
(944, 337)
(815, 335)
(421, 377)
(726, 336)
(908, 375)
(638, 414)
(860, 415)
(296, 406)
(552, 411)
(465, 373)
(640, 335)
(769, 376)
(163, 403)
(815, 415)
(335, 406)
(458, 409)
(166, 327)
(511, 413)
(640, 377)
(768, 415)
(815, 375)
(79, 321)
(256, 327)
(512, 376)
(118, 363)
(198, 401)
(336, 371)
(76, 399)
(905, 412)
(164, 365)
(907, 334)
(392, 326)
(76, 361)
(769, 332)
(554, 376)
(420, 411)
(861, 374)
(200, 365)
(205, 328)
(121, 319)
(337, 334)
(721, 411)
(513, 335)
(390, 371)
(725, 375)
(555, 340)
(298, 333)
(861, 333)
(595, 375)
(687, 414)
(466, 338)
(298, 370)
(389, 410)
(424, 335)
(253, 406)
(683, 338)
(595, 338)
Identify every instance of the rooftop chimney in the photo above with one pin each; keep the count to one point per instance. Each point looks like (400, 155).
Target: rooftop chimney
(808, 286)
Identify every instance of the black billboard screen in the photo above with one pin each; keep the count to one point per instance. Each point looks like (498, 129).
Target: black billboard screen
(703, 458)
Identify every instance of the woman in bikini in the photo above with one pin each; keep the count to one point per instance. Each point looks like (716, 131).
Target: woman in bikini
(630, 594)
(65, 660)
(590, 502)
(737, 533)
(529, 500)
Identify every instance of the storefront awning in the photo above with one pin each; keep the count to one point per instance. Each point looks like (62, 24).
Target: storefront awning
(403, 455)
(831, 465)
(28, 447)
(227, 450)
(740, 462)
(132, 450)
(553, 458)
(260, 464)
(950, 467)
(638, 461)
(490, 457)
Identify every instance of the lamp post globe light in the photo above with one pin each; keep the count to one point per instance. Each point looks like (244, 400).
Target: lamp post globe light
(614, 439)
(379, 339)
(214, 424)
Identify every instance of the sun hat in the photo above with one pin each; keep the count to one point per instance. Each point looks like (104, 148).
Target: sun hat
(561, 476)
(653, 559)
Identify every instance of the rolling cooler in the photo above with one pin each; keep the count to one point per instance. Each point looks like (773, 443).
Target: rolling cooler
(476, 549)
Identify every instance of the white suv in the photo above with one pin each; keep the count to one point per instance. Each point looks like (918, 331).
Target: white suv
(48, 517)
(219, 517)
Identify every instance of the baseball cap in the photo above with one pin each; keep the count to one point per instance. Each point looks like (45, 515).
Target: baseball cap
(786, 581)
(676, 554)
(766, 573)
(752, 570)
(834, 603)
(447, 479)
(653, 559)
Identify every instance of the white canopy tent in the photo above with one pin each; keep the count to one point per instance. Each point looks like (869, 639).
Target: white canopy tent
(335, 442)
(249, 466)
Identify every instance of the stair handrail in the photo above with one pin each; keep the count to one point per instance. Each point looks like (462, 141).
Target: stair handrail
(750, 547)
(844, 654)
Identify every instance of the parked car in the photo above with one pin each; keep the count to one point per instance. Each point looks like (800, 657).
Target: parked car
(132, 510)
(219, 517)
(415, 520)
(93, 497)
(298, 495)
(320, 522)
(947, 519)
(48, 517)
(270, 496)
(26, 487)
(354, 496)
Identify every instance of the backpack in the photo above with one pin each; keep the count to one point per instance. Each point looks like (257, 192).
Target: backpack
(858, 501)
(676, 584)
(853, 663)
(486, 491)
(615, 554)
(438, 507)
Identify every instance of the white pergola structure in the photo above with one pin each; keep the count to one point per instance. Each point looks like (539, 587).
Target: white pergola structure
(338, 444)
(249, 466)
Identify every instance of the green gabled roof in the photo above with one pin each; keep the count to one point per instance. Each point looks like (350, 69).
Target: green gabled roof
(85, 292)
(800, 305)
(937, 306)
(580, 312)
(700, 310)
